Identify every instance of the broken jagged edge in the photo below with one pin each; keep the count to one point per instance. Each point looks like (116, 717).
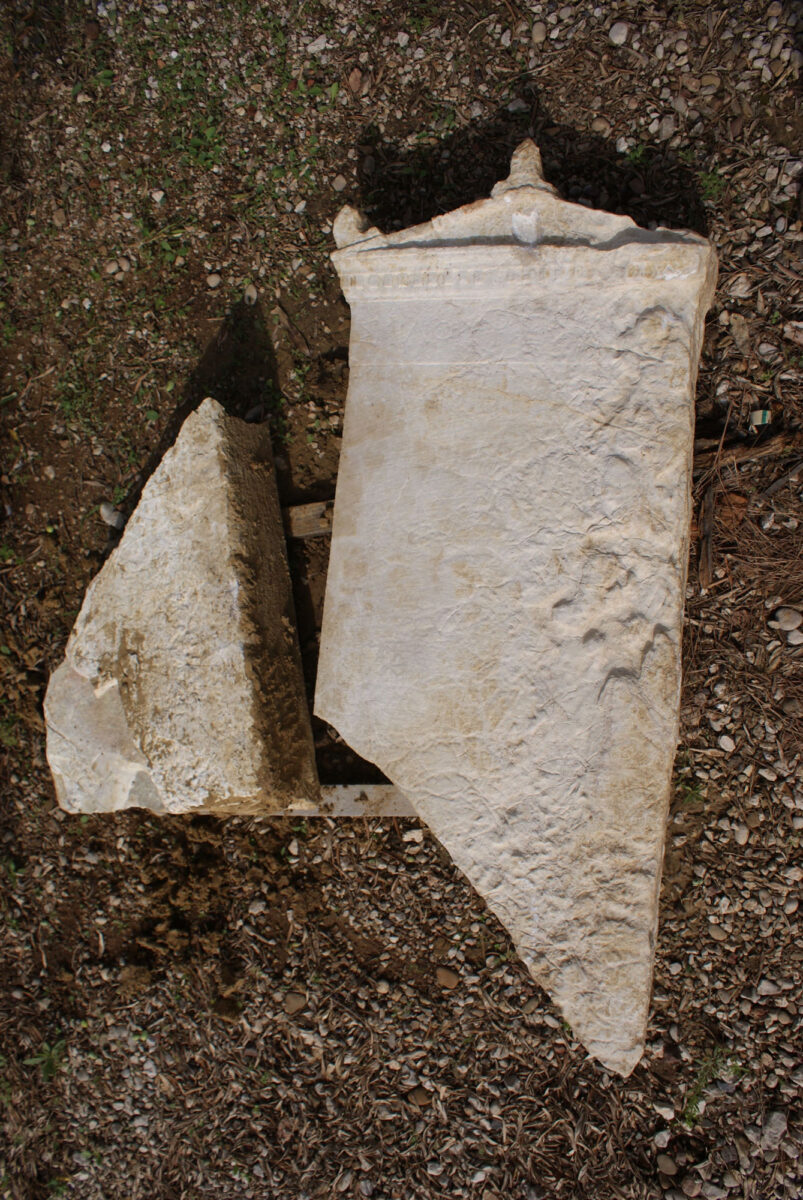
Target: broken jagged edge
(182, 689)
(504, 600)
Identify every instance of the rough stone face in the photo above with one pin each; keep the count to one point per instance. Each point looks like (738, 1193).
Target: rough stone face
(181, 689)
(505, 591)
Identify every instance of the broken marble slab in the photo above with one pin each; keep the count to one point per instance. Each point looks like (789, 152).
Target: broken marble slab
(181, 689)
(502, 622)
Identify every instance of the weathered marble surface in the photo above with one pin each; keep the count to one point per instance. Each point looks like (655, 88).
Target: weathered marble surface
(505, 592)
(181, 690)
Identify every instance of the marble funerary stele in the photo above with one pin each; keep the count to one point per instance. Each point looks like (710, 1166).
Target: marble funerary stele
(504, 602)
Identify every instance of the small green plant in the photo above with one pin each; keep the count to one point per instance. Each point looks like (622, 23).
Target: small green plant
(712, 185)
(690, 792)
(637, 155)
(714, 1065)
(205, 145)
(48, 1060)
(8, 737)
(5, 1086)
(13, 873)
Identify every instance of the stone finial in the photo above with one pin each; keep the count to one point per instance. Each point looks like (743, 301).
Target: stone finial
(350, 226)
(526, 170)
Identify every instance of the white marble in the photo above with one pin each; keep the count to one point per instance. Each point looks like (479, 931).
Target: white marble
(181, 689)
(504, 601)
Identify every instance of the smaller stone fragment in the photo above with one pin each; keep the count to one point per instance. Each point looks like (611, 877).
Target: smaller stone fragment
(181, 689)
(539, 33)
(666, 1165)
(618, 33)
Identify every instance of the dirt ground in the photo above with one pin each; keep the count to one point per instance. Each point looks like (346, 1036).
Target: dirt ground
(206, 1009)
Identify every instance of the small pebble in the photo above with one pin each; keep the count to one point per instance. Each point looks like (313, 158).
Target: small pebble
(788, 618)
(112, 267)
(157, 196)
(111, 515)
(59, 218)
(214, 280)
(773, 1131)
(339, 183)
(740, 287)
(618, 33)
(666, 1165)
(795, 637)
(727, 743)
(539, 33)
(250, 294)
(446, 978)
(740, 834)
(666, 129)
(710, 83)
(601, 125)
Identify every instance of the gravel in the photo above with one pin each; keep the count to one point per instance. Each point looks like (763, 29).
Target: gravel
(189, 1008)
